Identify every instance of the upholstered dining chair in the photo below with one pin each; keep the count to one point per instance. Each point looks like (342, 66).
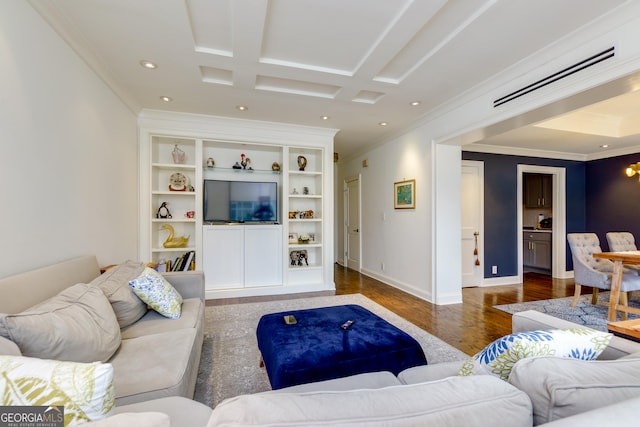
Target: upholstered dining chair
(622, 241)
(595, 272)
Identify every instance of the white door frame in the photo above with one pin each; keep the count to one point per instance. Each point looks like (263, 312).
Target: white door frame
(345, 187)
(559, 224)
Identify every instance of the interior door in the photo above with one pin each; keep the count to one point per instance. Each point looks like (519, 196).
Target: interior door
(352, 227)
(472, 220)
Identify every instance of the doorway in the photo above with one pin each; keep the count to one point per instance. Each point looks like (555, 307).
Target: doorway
(352, 239)
(558, 227)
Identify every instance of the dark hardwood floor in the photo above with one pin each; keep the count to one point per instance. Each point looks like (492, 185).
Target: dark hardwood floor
(469, 326)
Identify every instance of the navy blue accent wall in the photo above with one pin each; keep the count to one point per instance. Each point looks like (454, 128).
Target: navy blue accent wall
(500, 204)
(613, 199)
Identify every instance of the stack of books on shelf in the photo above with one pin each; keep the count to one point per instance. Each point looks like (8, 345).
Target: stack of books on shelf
(184, 262)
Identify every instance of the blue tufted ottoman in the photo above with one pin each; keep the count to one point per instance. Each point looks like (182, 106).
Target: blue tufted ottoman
(316, 348)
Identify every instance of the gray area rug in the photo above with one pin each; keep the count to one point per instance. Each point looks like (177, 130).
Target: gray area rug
(584, 313)
(230, 357)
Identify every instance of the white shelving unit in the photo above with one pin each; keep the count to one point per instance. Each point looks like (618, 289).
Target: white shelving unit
(305, 216)
(178, 202)
(250, 259)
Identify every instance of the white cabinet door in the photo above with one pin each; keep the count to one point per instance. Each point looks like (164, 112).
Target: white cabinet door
(223, 256)
(263, 255)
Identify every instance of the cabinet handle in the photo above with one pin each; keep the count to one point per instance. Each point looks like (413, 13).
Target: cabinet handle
(542, 202)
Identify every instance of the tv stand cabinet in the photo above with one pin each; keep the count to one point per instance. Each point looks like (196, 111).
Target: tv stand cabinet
(240, 259)
(240, 256)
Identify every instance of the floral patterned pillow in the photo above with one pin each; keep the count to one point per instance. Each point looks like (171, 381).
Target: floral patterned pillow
(152, 288)
(499, 357)
(85, 390)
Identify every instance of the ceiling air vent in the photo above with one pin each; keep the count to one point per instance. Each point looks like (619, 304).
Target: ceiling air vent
(586, 63)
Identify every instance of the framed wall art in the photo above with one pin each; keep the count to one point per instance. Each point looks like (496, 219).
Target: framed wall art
(404, 194)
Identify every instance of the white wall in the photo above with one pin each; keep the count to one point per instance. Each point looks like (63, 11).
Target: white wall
(398, 238)
(68, 162)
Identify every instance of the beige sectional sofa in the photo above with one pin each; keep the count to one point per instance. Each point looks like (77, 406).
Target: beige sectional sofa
(156, 364)
(154, 356)
(541, 391)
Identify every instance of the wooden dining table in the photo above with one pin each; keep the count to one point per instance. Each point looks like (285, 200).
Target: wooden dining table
(619, 259)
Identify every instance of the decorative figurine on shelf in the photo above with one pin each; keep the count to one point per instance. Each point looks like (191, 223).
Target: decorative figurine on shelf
(275, 166)
(174, 242)
(305, 191)
(303, 257)
(244, 161)
(163, 211)
(179, 182)
(236, 166)
(294, 192)
(210, 162)
(302, 163)
(297, 257)
(178, 155)
(304, 238)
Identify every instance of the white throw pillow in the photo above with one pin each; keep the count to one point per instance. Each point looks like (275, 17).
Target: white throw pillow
(77, 325)
(152, 288)
(84, 389)
(499, 357)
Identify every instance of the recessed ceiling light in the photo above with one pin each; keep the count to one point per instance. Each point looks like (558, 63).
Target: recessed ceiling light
(383, 123)
(148, 64)
(242, 107)
(415, 103)
(166, 98)
(604, 146)
(325, 117)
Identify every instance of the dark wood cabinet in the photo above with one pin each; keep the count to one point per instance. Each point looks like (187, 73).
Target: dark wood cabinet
(538, 190)
(536, 251)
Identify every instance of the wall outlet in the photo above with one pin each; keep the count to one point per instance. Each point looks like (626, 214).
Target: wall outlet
(494, 269)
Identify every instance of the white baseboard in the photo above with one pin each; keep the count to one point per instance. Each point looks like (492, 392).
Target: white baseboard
(501, 281)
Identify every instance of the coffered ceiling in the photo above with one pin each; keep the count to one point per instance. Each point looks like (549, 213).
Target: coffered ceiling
(345, 64)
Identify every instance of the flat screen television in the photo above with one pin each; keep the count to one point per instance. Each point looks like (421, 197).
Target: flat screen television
(240, 201)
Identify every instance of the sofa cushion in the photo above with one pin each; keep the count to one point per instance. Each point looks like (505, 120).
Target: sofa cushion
(559, 388)
(499, 357)
(154, 289)
(154, 323)
(153, 366)
(76, 325)
(115, 284)
(369, 380)
(183, 412)
(456, 401)
(84, 389)
(433, 372)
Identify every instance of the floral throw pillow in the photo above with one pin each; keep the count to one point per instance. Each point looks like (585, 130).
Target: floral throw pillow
(85, 390)
(499, 357)
(152, 288)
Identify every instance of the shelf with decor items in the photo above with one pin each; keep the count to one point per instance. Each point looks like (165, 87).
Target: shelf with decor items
(305, 215)
(173, 198)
